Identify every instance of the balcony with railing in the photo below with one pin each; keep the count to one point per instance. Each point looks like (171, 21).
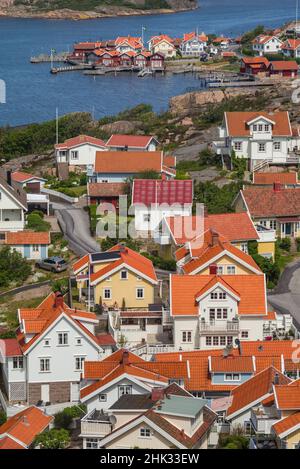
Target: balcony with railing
(96, 424)
(216, 326)
(262, 419)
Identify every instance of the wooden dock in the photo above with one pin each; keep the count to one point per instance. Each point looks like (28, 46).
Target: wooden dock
(43, 58)
(238, 84)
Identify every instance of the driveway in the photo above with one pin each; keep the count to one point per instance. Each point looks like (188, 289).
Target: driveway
(286, 296)
(75, 225)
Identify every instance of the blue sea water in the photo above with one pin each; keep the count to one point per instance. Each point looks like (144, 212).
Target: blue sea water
(33, 93)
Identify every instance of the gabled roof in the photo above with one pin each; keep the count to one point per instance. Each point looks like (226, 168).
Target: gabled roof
(129, 162)
(9, 443)
(130, 259)
(250, 289)
(270, 178)
(106, 189)
(123, 362)
(287, 425)
(27, 237)
(14, 190)
(25, 426)
(10, 348)
(159, 423)
(20, 176)
(237, 123)
(287, 397)
(254, 390)
(193, 35)
(155, 40)
(255, 61)
(280, 65)
(37, 320)
(158, 191)
(267, 202)
(264, 39)
(80, 140)
(291, 44)
(233, 226)
(130, 141)
(231, 364)
(209, 248)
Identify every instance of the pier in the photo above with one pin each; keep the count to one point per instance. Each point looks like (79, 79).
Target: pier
(43, 58)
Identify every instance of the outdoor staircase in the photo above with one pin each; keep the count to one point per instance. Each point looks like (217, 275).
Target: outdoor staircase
(261, 165)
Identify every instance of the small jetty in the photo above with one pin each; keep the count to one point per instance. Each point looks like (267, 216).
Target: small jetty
(68, 68)
(145, 72)
(43, 58)
(237, 84)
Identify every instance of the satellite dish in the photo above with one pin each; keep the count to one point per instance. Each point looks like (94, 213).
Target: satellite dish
(113, 419)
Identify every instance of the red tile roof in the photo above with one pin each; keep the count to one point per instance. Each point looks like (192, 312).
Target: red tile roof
(81, 264)
(267, 202)
(211, 245)
(233, 226)
(186, 288)
(130, 141)
(37, 320)
(237, 123)
(20, 176)
(26, 425)
(156, 191)
(282, 65)
(125, 362)
(188, 36)
(291, 44)
(287, 425)
(130, 259)
(255, 60)
(27, 237)
(80, 140)
(128, 162)
(9, 443)
(254, 390)
(232, 364)
(106, 339)
(10, 348)
(106, 189)
(288, 397)
(269, 178)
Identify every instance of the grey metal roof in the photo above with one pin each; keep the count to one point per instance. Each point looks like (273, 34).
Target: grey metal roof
(178, 405)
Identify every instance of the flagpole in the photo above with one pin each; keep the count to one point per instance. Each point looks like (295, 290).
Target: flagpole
(57, 125)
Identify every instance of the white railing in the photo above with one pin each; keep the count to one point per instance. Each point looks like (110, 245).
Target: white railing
(94, 427)
(215, 326)
(261, 164)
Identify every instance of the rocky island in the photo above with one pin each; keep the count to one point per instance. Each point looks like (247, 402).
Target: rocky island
(87, 9)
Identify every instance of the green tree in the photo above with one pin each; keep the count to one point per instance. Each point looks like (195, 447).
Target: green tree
(54, 439)
(3, 417)
(35, 222)
(13, 268)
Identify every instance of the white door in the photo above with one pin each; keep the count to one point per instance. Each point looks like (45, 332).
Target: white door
(45, 393)
(75, 392)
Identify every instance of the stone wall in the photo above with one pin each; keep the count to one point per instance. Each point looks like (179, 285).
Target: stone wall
(59, 392)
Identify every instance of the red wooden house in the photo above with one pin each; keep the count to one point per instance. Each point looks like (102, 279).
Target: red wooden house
(157, 61)
(283, 68)
(110, 58)
(254, 65)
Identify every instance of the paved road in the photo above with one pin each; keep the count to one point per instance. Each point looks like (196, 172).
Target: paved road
(286, 296)
(75, 225)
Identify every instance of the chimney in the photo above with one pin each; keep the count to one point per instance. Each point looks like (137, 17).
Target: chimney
(214, 238)
(125, 358)
(157, 394)
(59, 300)
(276, 379)
(126, 148)
(8, 177)
(122, 247)
(205, 211)
(213, 269)
(277, 187)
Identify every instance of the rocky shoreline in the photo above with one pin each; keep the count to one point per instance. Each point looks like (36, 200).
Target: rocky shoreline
(76, 15)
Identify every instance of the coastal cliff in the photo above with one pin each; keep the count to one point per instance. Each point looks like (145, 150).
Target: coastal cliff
(87, 9)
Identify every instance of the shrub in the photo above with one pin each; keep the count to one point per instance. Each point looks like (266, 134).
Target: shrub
(163, 264)
(64, 418)
(13, 268)
(298, 244)
(54, 439)
(285, 244)
(35, 222)
(3, 417)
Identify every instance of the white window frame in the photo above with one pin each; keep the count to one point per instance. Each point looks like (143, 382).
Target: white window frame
(102, 397)
(79, 363)
(137, 294)
(124, 271)
(147, 217)
(124, 390)
(260, 145)
(145, 432)
(45, 364)
(104, 294)
(19, 363)
(62, 339)
(186, 337)
(244, 336)
(232, 377)
(277, 146)
(74, 155)
(238, 146)
(229, 268)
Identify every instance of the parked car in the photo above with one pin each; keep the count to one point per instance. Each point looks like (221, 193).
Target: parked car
(54, 264)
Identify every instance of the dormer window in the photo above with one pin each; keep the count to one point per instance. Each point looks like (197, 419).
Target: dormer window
(214, 296)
